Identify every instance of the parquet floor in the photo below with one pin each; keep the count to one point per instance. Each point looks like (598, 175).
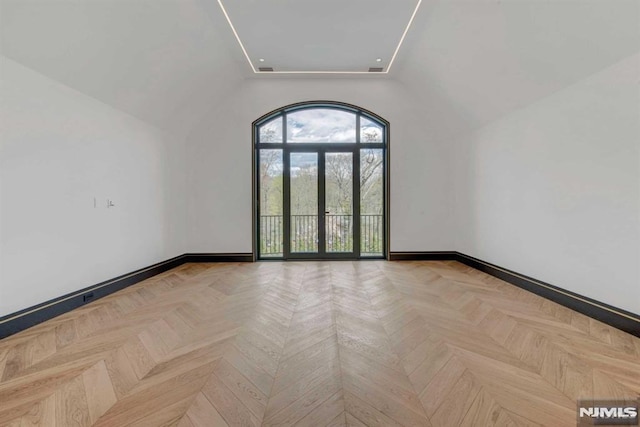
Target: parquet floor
(309, 343)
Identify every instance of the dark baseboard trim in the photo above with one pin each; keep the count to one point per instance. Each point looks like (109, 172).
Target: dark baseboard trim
(205, 257)
(23, 319)
(423, 256)
(613, 316)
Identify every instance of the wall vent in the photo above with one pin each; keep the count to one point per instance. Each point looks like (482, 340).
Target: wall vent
(375, 69)
(265, 69)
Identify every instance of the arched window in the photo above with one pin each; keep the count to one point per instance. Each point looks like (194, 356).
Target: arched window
(321, 182)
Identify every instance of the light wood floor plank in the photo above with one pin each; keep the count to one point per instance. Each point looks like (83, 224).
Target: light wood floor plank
(372, 343)
(202, 413)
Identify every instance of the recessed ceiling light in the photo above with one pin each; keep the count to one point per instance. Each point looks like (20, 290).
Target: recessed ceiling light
(386, 71)
(261, 59)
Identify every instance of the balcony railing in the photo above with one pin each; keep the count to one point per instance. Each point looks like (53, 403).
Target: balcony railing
(304, 234)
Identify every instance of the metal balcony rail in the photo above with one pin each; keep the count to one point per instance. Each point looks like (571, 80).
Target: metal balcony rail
(304, 234)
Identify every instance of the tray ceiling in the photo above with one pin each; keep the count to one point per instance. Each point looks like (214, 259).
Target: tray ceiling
(331, 36)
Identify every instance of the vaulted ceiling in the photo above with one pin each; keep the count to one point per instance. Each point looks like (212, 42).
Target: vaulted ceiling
(467, 62)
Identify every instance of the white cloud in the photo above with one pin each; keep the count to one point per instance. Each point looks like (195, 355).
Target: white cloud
(321, 125)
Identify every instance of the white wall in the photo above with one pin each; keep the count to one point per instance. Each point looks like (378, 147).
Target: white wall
(553, 190)
(219, 158)
(58, 150)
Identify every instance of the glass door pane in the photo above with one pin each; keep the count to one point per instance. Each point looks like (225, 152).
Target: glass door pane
(371, 202)
(339, 202)
(271, 231)
(303, 170)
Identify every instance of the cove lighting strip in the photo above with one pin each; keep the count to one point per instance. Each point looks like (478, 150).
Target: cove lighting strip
(386, 71)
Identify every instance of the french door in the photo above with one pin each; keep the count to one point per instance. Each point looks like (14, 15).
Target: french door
(319, 220)
(320, 183)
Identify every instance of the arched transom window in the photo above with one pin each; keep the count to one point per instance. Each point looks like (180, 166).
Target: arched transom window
(321, 182)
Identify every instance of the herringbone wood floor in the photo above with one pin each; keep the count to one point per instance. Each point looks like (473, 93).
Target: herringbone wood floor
(327, 344)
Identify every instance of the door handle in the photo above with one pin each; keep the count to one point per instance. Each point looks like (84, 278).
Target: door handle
(327, 212)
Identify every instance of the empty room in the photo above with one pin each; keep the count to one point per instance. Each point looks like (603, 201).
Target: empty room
(319, 213)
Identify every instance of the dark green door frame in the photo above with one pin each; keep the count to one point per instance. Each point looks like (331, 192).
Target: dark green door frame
(321, 150)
